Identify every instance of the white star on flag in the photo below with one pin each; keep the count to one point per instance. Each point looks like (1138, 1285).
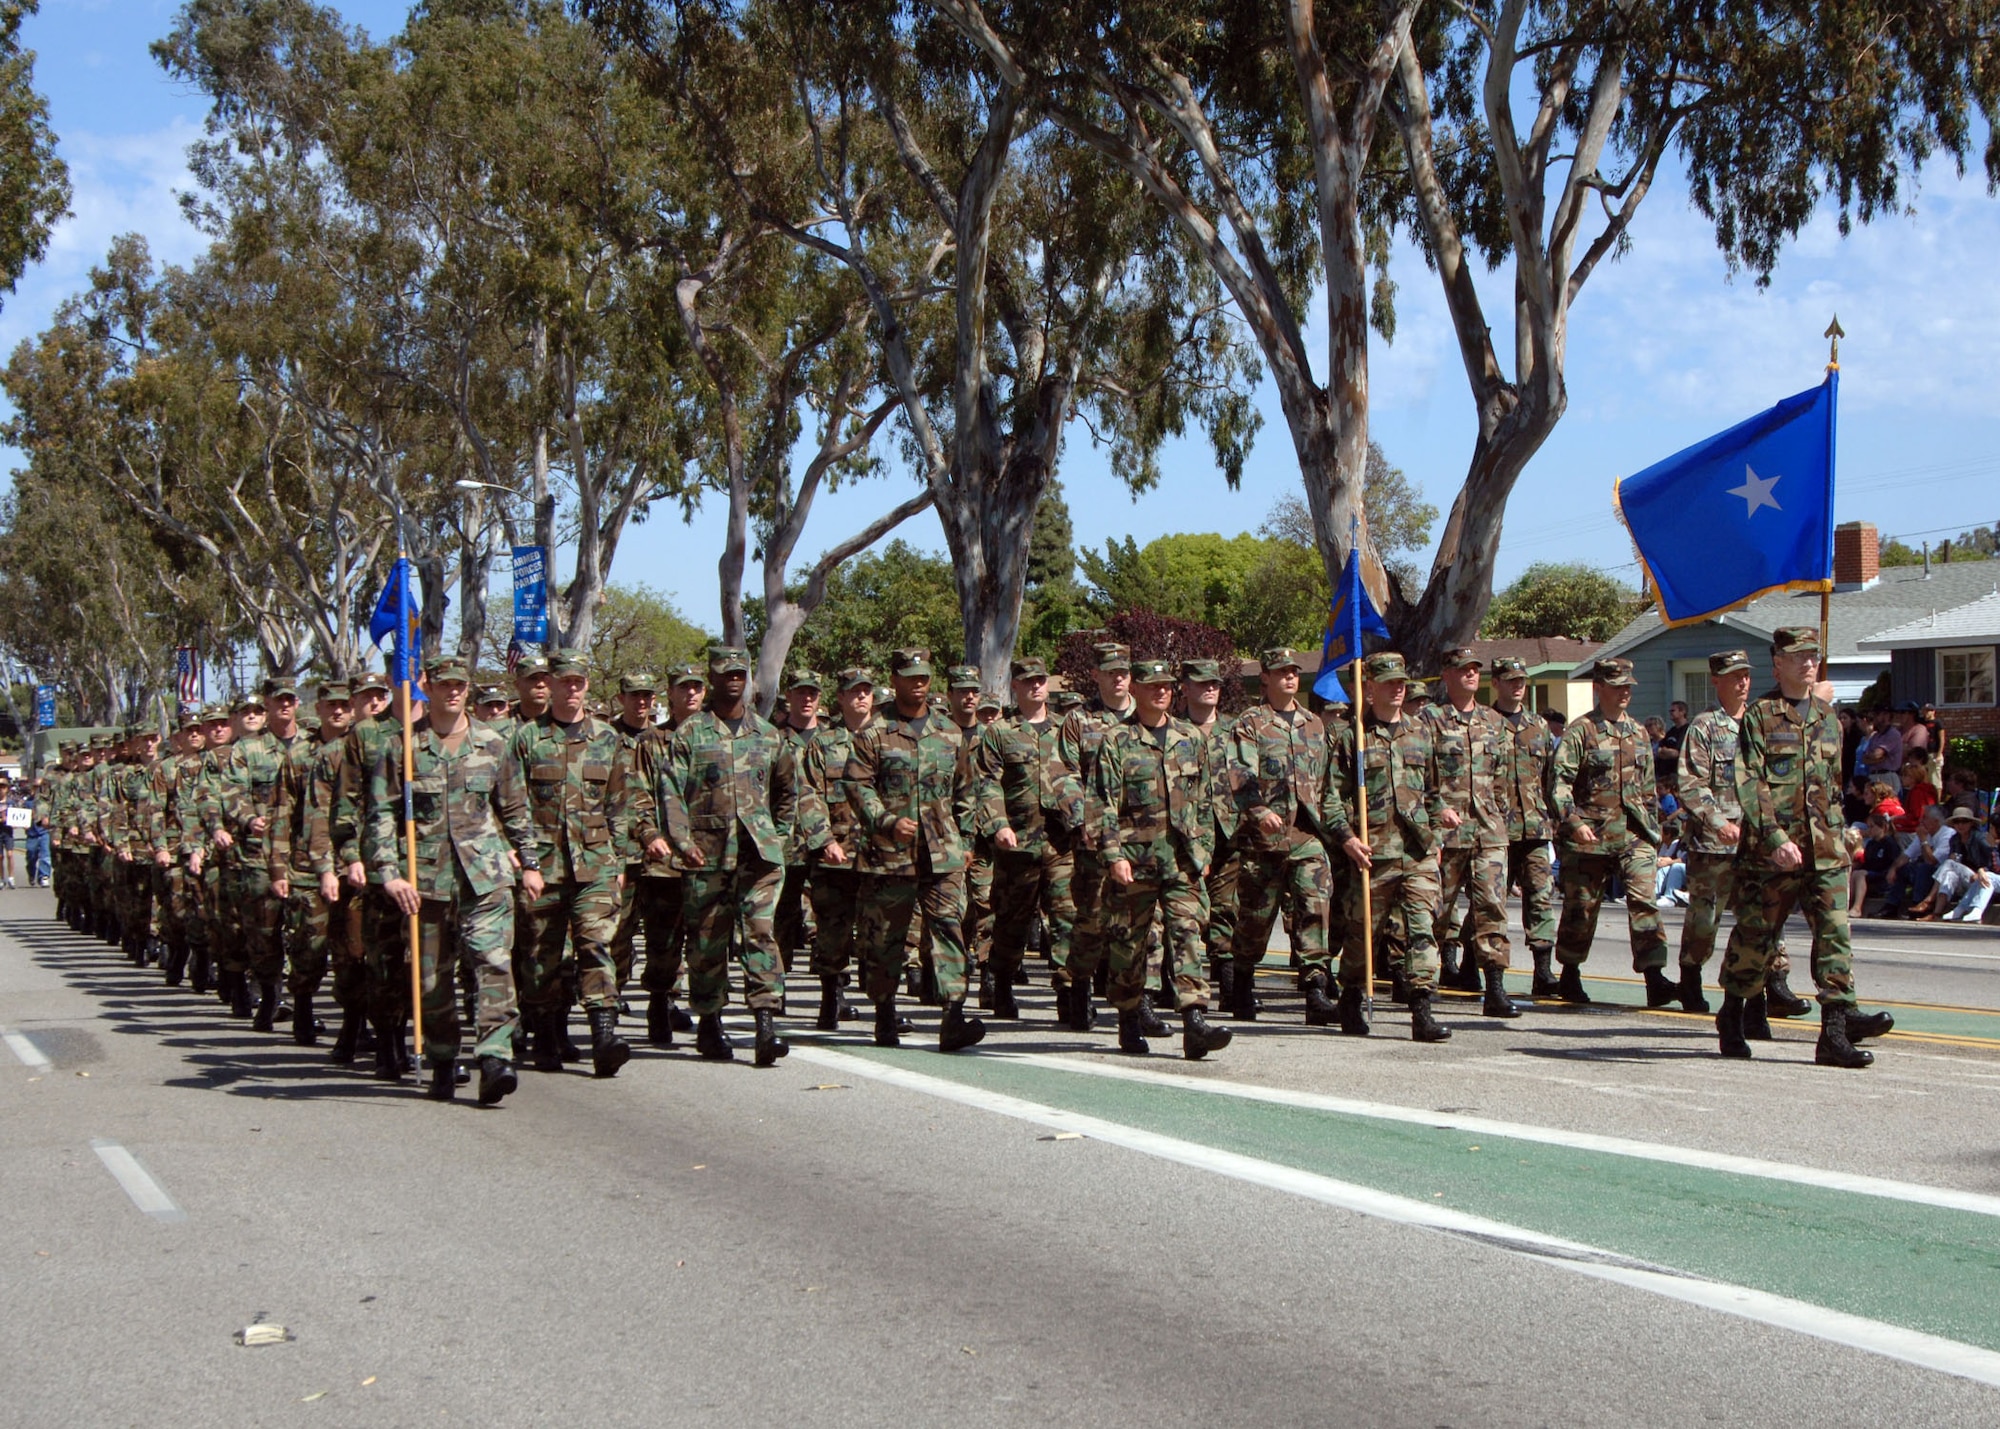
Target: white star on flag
(1756, 491)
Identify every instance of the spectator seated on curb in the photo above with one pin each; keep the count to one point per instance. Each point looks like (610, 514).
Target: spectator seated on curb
(1670, 875)
(1881, 851)
(1919, 793)
(1911, 887)
(1966, 874)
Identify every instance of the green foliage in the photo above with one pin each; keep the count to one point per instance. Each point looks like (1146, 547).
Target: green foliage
(638, 628)
(1980, 755)
(1978, 544)
(1189, 576)
(896, 597)
(34, 183)
(1567, 598)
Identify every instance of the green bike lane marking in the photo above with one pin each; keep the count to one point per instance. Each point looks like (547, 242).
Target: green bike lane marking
(1921, 1267)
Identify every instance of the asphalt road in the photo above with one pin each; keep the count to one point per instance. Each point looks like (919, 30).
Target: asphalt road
(1538, 1223)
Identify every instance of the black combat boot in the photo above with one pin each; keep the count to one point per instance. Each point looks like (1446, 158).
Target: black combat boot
(388, 1051)
(1659, 991)
(347, 1039)
(1222, 973)
(1867, 1024)
(1757, 1018)
(1243, 993)
(958, 1031)
(986, 987)
(1497, 1003)
(1729, 1027)
(548, 1048)
(1689, 990)
(913, 983)
(659, 1020)
(1082, 1016)
(1062, 1005)
(559, 1023)
(770, 1046)
(1399, 987)
(1005, 1008)
(608, 1051)
(305, 1027)
(444, 1081)
(829, 1005)
(239, 995)
(1353, 1011)
(1199, 1036)
(174, 966)
(1834, 1050)
(1465, 977)
(1544, 984)
(711, 1041)
(497, 1079)
(1786, 1003)
(887, 1033)
(1132, 1036)
(1100, 976)
(1569, 987)
(1423, 1026)
(198, 970)
(266, 1019)
(1150, 1021)
(1162, 999)
(1320, 1011)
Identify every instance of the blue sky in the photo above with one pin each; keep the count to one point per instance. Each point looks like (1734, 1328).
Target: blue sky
(1664, 348)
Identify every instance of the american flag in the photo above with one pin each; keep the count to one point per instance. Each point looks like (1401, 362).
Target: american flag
(187, 665)
(513, 655)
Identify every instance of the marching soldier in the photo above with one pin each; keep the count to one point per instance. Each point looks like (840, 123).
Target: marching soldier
(1028, 809)
(1201, 698)
(835, 888)
(269, 731)
(663, 880)
(728, 797)
(1153, 781)
(1397, 866)
(490, 706)
(1277, 777)
(1605, 802)
(962, 696)
(173, 885)
(1712, 830)
(1083, 731)
(802, 690)
(1529, 827)
(472, 829)
(910, 791)
(134, 830)
(304, 849)
(533, 685)
(206, 863)
(577, 774)
(1472, 751)
(637, 731)
(1792, 855)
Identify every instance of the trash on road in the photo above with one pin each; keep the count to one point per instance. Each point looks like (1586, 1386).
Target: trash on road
(263, 1333)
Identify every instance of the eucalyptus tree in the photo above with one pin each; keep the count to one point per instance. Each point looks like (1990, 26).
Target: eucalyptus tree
(34, 181)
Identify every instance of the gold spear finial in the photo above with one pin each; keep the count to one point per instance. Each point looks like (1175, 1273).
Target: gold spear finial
(1833, 334)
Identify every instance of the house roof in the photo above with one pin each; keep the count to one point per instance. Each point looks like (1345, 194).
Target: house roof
(1975, 622)
(1541, 655)
(1903, 595)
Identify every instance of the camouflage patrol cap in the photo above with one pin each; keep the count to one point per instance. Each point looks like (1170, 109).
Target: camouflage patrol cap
(962, 677)
(331, 690)
(936, 703)
(637, 682)
(247, 702)
(991, 702)
(216, 713)
(448, 667)
(1063, 701)
(912, 661)
(490, 695)
(1458, 657)
(802, 679)
(1110, 655)
(727, 660)
(569, 662)
(1612, 670)
(1031, 668)
(1509, 665)
(1152, 672)
(278, 686)
(856, 677)
(1199, 671)
(686, 673)
(1795, 640)
(531, 665)
(1385, 665)
(100, 741)
(1728, 662)
(1279, 657)
(370, 680)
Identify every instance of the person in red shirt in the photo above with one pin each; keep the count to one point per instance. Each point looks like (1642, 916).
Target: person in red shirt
(1918, 794)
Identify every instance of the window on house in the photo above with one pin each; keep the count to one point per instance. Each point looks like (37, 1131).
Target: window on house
(1965, 677)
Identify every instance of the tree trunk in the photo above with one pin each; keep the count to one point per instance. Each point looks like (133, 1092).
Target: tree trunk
(989, 540)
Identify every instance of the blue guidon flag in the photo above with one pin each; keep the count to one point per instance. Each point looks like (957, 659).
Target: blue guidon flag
(1350, 615)
(1745, 513)
(399, 615)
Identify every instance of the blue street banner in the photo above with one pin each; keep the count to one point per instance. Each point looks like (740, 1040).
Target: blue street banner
(531, 595)
(1745, 513)
(1349, 616)
(399, 613)
(45, 706)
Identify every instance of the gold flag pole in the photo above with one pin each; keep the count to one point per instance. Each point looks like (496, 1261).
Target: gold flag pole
(410, 803)
(1361, 800)
(1833, 335)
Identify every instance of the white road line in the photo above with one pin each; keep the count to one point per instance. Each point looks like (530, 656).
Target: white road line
(1911, 1346)
(146, 1193)
(1925, 953)
(1909, 1191)
(29, 1055)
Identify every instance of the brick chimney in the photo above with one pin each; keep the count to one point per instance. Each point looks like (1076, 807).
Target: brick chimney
(1857, 555)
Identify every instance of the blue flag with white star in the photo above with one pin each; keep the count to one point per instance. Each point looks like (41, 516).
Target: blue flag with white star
(1350, 615)
(1747, 512)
